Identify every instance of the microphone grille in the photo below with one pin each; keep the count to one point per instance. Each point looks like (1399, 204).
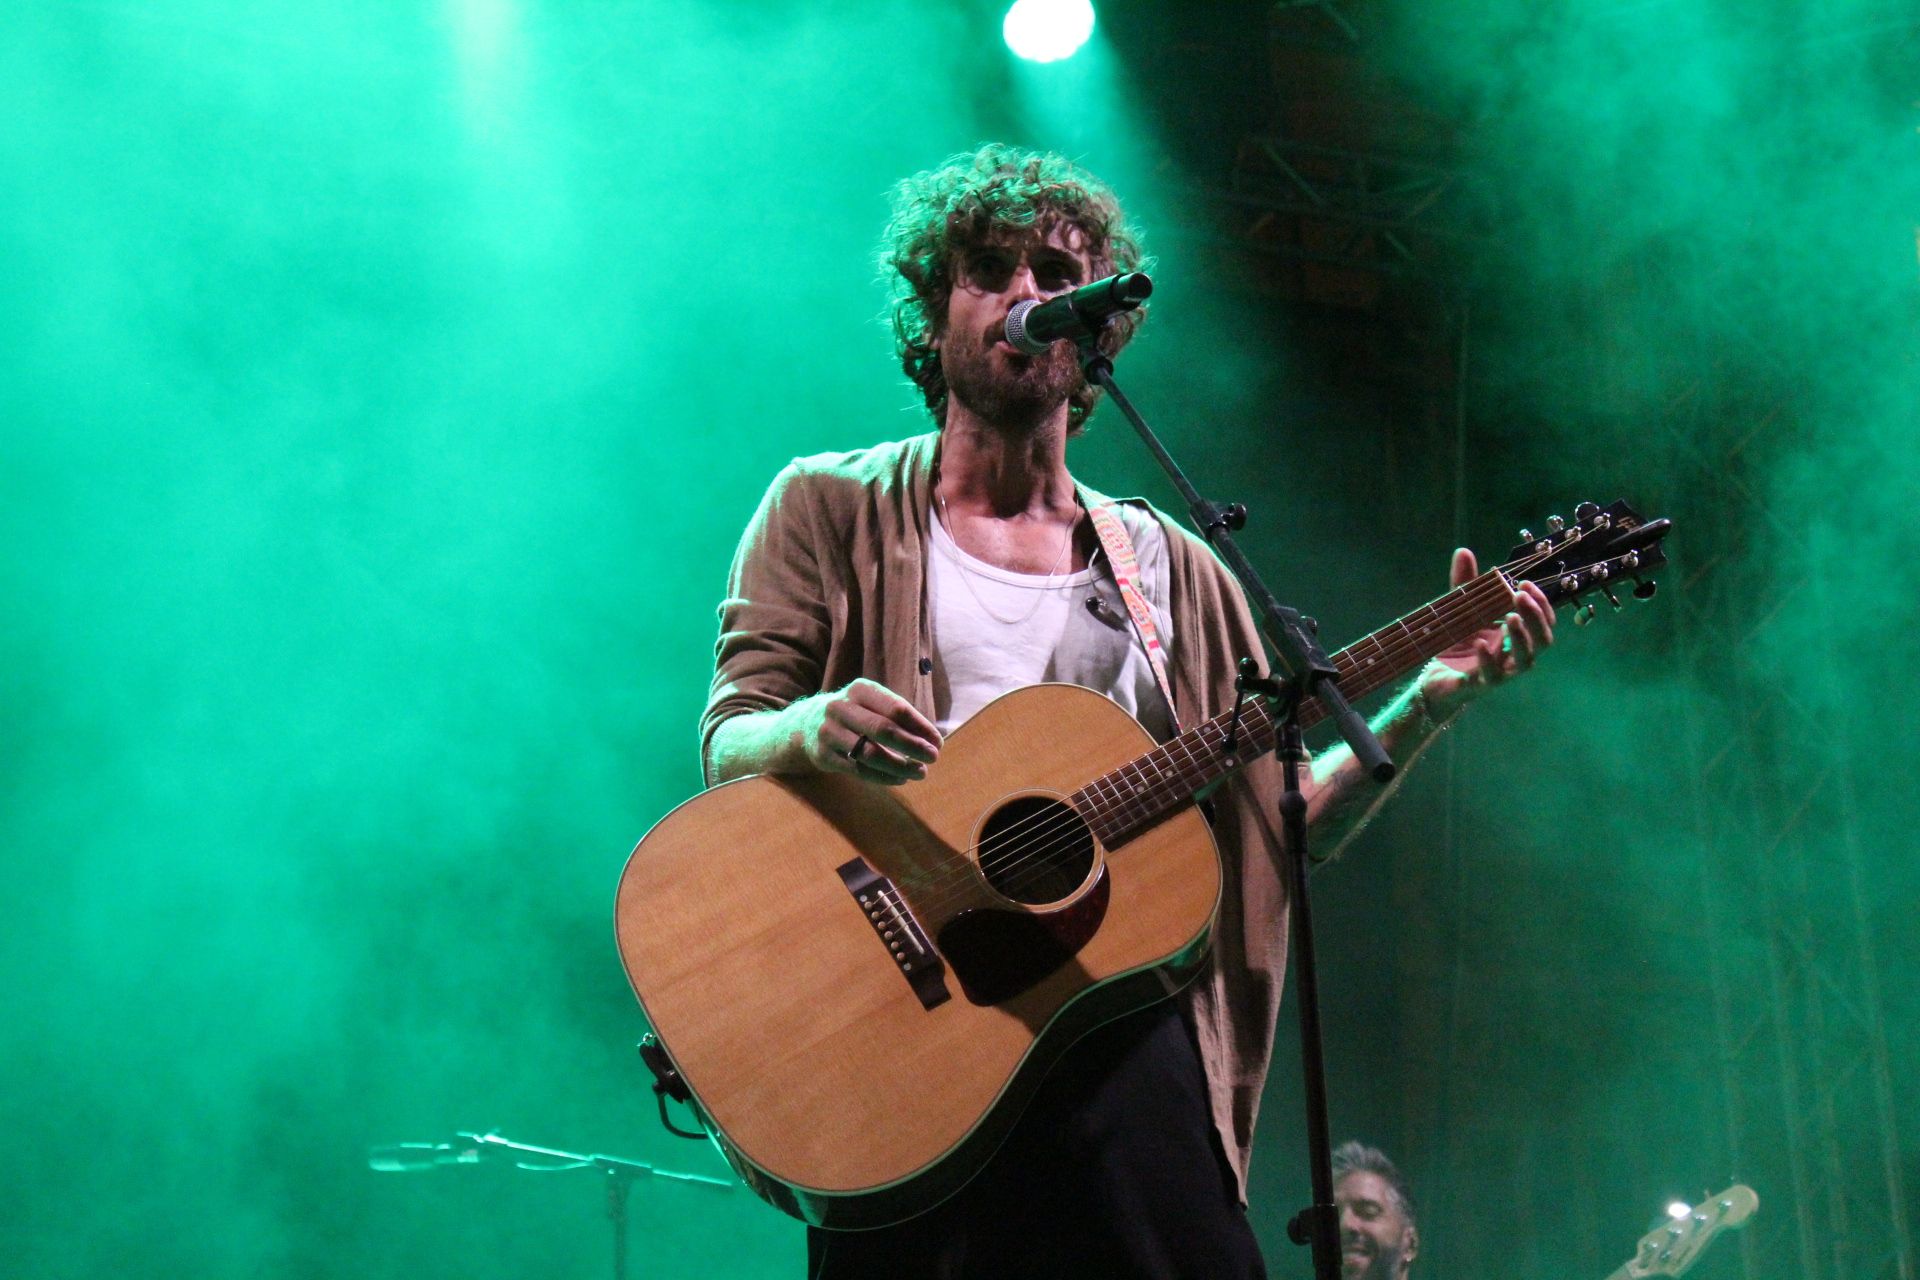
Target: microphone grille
(1017, 333)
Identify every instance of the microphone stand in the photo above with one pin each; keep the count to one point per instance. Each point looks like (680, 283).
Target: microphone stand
(620, 1174)
(1306, 672)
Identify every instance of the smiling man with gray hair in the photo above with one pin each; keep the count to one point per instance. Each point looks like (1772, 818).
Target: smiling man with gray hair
(1378, 1238)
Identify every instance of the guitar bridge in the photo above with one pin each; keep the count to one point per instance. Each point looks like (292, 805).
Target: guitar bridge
(886, 910)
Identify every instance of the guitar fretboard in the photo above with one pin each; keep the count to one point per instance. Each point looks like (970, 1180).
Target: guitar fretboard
(1121, 804)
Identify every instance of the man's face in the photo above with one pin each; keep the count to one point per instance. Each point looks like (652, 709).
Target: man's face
(985, 373)
(1376, 1240)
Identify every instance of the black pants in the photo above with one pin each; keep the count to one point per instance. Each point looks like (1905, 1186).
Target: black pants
(1113, 1172)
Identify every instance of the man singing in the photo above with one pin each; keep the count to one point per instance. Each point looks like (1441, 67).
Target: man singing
(882, 596)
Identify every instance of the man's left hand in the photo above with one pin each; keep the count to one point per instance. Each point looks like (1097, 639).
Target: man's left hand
(1492, 656)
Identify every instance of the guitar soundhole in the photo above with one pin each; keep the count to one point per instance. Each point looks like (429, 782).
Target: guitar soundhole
(1036, 850)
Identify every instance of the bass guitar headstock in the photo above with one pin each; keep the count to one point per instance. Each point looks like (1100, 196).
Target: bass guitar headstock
(1599, 552)
(1670, 1250)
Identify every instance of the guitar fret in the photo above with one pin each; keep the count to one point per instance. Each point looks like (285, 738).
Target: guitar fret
(1140, 792)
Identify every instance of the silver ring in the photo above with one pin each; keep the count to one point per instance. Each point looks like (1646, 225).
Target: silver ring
(859, 745)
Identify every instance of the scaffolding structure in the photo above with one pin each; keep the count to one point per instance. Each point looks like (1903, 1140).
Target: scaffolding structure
(1365, 201)
(1355, 183)
(1807, 1093)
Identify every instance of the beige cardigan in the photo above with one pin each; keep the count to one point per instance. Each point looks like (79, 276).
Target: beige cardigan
(828, 586)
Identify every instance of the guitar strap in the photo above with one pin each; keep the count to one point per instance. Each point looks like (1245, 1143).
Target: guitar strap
(1126, 572)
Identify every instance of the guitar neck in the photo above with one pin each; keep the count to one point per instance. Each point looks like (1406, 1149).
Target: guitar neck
(1136, 796)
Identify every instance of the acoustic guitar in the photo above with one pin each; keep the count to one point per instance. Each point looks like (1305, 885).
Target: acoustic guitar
(859, 986)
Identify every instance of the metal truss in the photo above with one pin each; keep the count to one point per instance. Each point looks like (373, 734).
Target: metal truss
(1809, 1114)
(1355, 178)
(1324, 24)
(1799, 1070)
(1393, 215)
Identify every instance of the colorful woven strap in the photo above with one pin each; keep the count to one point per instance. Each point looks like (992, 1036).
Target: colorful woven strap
(1126, 571)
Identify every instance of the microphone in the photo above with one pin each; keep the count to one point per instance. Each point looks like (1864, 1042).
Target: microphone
(411, 1157)
(1032, 327)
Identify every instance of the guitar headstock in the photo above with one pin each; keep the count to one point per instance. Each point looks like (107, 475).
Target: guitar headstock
(1670, 1250)
(1598, 552)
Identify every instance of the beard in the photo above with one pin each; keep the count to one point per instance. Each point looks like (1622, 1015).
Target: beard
(1375, 1261)
(1005, 389)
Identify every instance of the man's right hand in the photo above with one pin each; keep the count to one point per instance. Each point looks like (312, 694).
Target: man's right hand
(865, 729)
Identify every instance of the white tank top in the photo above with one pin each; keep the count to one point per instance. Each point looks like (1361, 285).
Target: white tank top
(994, 630)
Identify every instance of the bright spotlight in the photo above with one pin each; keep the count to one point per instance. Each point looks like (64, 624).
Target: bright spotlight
(1678, 1210)
(1048, 30)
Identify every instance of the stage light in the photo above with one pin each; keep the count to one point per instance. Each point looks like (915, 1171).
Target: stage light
(1678, 1210)
(1048, 30)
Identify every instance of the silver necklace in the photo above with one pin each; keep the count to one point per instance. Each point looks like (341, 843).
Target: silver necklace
(968, 572)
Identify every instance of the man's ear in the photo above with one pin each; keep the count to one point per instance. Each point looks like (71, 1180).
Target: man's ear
(1412, 1251)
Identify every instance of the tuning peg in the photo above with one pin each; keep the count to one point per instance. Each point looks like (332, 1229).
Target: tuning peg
(1555, 524)
(1612, 599)
(1526, 535)
(1583, 614)
(1644, 590)
(1585, 512)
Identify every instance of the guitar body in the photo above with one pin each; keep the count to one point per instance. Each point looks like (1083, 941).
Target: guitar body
(862, 985)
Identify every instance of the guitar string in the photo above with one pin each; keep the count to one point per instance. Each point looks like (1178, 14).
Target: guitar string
(1021, 861)
(1063, 823)
(1156, 798)
(1160, 793)
(1156, 795)
(1021, 857)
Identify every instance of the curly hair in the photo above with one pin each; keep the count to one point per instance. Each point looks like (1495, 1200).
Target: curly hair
(982, 197)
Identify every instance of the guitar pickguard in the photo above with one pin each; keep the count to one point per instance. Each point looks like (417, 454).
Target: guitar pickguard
(998, 953)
